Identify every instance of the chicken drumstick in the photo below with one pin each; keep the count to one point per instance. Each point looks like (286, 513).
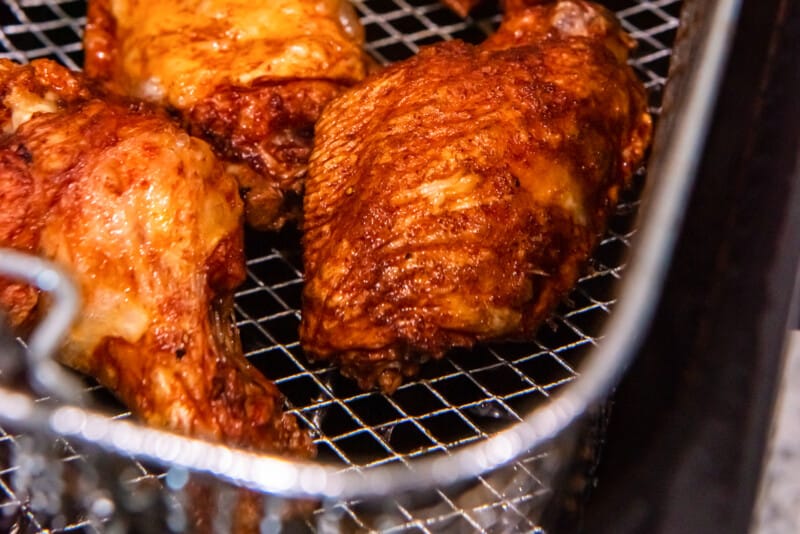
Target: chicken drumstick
(148, 223)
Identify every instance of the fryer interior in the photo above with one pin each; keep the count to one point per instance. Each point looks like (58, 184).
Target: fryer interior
(463, 398)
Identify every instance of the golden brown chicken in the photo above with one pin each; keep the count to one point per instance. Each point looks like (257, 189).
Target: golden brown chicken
(148, 223)
(455, 196)
(249, 77)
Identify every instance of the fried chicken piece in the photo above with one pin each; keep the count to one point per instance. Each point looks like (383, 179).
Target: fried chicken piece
(149, 225)
(249, 77)
(454, 197)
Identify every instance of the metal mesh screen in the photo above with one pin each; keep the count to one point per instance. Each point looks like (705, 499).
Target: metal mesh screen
(462, 398)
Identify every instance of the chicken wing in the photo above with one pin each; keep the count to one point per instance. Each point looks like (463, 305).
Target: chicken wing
(249, 77)
(148, 223)
(455, 197)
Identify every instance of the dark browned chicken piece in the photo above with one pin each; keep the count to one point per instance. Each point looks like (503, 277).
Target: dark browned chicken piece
(456, 196)
(149, 224)
(249, 77)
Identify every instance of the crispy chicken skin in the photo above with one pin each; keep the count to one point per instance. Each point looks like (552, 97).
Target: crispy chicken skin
(249, 77)
(455, 197)
(149, 224)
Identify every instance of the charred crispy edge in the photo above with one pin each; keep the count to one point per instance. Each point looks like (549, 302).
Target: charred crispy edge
(18, 305)
(42, 77)
(275, 146)
(387, 368)
(288, 104)
(385, 374)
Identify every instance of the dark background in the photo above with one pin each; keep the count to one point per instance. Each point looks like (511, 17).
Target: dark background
(689, 422)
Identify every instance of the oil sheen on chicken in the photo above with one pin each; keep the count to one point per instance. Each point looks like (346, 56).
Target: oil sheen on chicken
(149, 225)
(456, 196)
(249, 77)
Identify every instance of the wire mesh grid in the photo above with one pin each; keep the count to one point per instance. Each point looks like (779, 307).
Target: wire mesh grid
(457, 400)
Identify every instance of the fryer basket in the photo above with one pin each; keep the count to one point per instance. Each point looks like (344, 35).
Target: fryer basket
(490, 429)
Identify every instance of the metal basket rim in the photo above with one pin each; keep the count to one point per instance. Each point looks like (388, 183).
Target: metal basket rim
(672, 171)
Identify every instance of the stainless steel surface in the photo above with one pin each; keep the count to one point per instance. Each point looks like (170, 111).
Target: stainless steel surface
(776, 511)
(467, 414)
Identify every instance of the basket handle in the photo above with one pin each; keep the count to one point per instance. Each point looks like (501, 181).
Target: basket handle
(45, 375)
